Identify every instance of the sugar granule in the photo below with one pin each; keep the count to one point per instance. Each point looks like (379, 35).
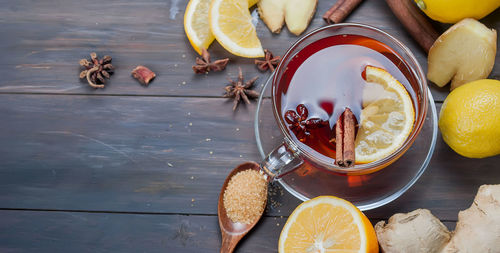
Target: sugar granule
(245, 196)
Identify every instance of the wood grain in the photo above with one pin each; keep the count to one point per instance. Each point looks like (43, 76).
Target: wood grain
(46, 40)
(26, 231)
(104, 232)
(135, 169)
(120, 153)
(141, 154)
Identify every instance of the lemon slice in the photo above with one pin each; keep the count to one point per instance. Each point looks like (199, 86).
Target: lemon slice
(252, 3)
(386, 119)
(196, 24)
(231, 23)
(327, 224)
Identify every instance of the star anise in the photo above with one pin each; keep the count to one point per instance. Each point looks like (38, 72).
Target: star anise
(96, 71)
(240, 90)
(300, 125)
(203, 64)
(270, 62)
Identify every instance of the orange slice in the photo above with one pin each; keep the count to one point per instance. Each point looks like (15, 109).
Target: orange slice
(327, 224)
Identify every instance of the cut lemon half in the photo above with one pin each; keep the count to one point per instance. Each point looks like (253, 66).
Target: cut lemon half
(196, 24)
(231, 23)
(386, 119)
(327, 224)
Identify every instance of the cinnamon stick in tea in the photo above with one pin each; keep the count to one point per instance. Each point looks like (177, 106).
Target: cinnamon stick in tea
(339, 141)
(340, 10)
(344, 136)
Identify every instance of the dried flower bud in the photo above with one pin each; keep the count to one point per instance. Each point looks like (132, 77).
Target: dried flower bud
(204, 65)
(105, 74)
(85, 63)
(100, 77)
(108, 67)
(106, 59)
(83, 74)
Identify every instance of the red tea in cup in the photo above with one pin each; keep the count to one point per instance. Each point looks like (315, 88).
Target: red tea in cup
(326, 77)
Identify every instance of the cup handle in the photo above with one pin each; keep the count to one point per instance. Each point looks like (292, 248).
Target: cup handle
(280, 161)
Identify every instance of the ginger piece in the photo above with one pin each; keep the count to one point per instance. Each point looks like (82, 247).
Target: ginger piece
(272, 12)
(478, 228)
(415, 232)
(464, 53)
(296, 13)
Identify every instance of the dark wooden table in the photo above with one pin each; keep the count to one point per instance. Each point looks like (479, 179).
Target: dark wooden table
(135, 169)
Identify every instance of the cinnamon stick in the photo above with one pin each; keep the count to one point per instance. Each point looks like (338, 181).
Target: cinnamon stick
(415, 22)
(344, 136)
(340, 10)
(339, 141)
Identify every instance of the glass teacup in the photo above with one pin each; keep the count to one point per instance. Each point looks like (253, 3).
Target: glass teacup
(292, 154)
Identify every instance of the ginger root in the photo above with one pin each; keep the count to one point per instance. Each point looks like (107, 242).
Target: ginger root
(416, 231)
(296, 13)
(272, 12)
(477, 230)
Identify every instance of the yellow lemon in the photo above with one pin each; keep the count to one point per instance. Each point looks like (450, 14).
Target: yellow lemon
(196, 23)
(252, 2)
(470, 119)
(327, 224)
(452, 11)
(231, 24)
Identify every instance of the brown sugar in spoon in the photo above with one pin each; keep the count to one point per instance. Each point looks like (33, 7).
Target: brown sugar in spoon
(232, 232)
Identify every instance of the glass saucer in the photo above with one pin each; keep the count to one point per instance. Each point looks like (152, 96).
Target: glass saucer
(366, 191)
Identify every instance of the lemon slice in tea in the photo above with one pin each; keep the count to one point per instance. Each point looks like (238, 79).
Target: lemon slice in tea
(386, 119)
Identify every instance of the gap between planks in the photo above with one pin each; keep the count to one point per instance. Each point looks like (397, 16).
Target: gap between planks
(155, 213)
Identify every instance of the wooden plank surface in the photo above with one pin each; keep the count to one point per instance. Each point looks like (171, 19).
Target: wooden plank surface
(135, 169)
(104, 232)
(120, 153)
(98, 232)
(46, 40)
(166, 155)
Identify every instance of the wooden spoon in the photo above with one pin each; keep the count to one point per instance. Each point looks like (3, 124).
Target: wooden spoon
(232, 232)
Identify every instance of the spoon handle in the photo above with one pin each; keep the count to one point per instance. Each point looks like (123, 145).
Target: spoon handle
(229, 243)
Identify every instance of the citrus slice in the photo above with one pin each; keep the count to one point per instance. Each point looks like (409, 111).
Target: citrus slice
(231, 23)
(252, 3)
(196, 24)
(327, 224)
(386, 119)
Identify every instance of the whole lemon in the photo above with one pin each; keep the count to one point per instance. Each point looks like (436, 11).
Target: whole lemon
(470, 119)
(452, 11)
